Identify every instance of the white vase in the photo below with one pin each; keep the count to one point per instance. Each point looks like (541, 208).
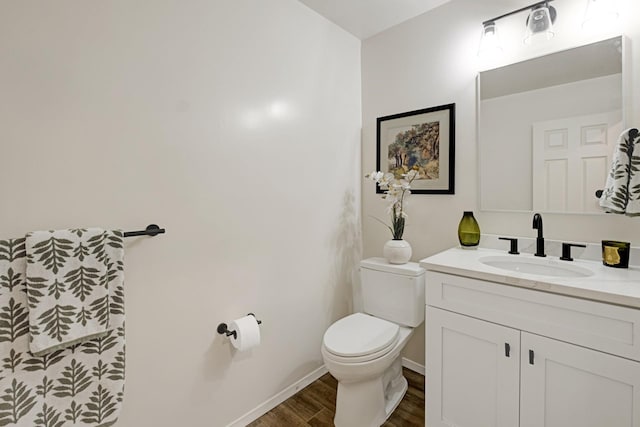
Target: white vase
(397, 251)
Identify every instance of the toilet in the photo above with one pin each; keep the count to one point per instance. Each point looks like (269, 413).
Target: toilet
(362, 350)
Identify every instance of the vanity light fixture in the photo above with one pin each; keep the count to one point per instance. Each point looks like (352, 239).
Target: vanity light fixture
(539, 25)
(490, 41)
(600, 13)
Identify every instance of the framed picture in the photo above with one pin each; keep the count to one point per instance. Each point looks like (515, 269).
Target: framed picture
(424, 140)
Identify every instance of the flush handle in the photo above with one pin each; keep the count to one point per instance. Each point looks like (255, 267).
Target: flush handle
(530, 357)
(507, 349)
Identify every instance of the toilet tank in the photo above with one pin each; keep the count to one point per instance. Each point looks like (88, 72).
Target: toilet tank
(393, 292)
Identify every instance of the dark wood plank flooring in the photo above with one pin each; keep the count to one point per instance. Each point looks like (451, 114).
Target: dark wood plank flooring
(315, 406)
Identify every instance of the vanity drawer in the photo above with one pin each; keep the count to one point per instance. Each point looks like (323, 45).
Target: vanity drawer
(605, 327)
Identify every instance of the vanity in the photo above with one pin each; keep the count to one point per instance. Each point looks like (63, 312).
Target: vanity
(518, 340)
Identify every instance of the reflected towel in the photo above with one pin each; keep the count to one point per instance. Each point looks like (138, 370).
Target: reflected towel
(68, 276)
(621, 194)
(633, 205)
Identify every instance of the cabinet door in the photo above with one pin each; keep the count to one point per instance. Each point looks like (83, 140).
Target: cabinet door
(564, 385)
(470, 379)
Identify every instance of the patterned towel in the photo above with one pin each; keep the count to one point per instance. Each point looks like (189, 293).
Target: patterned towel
(67, 278)
(633, 206)
(621, 194)
(81, 385)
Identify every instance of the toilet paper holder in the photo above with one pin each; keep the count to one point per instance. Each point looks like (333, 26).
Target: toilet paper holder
(223, 328)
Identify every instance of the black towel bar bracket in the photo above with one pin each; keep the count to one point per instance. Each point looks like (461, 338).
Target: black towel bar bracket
(151, 230)
(598, 193)
(223, 328)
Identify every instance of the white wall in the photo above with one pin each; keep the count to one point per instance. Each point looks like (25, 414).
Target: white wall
(235, 125)
(432, 60)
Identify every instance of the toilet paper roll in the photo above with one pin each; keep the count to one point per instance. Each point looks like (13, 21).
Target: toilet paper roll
(247, 333)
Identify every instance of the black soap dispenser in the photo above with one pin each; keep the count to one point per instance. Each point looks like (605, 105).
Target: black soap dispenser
(468, 231)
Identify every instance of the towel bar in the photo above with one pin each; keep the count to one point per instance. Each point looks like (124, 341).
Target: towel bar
(151, 230)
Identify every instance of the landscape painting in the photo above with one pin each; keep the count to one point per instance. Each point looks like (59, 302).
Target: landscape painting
(423, 140)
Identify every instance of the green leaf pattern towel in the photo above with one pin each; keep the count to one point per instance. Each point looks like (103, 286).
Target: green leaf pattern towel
(621, 194)
(78, 386)
(67, 276)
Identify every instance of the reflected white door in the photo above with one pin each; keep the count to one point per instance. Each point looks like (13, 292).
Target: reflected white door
(571, 160)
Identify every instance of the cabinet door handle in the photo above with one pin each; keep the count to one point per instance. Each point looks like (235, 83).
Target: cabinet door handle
(507, 349)
(530, 357)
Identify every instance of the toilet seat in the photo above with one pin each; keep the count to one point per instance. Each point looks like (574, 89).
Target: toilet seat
(360, 338)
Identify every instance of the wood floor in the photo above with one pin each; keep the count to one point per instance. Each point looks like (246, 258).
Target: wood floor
(315, 406)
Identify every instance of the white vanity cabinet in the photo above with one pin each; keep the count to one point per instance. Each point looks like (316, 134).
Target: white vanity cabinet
(504, 356)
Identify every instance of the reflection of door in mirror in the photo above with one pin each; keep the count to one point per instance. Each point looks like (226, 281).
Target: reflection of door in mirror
(571, 159)
(585, 82)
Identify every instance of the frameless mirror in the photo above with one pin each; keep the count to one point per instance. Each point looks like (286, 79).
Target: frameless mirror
(547, 128)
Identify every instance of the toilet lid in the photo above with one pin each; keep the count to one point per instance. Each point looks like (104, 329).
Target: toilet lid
(359, 334)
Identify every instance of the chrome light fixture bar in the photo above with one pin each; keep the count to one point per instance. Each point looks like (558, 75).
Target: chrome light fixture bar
(539, 25)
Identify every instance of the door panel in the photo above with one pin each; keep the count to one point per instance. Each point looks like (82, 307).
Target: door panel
(571, 159)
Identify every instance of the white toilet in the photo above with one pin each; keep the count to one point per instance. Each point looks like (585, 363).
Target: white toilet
(362, 350)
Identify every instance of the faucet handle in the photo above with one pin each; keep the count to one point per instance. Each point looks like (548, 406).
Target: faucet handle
(513, 250)
(566, 250)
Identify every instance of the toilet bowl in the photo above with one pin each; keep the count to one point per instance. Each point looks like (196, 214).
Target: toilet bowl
(362, 350)
(363, 353)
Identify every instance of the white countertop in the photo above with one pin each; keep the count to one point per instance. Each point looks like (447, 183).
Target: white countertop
(610, 285)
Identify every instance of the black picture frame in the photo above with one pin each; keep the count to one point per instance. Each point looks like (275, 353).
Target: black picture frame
(422, 138)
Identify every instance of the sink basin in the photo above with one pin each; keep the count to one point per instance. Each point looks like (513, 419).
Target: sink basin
(536, 266)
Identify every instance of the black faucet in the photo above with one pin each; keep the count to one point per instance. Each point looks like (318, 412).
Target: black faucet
(537, 224)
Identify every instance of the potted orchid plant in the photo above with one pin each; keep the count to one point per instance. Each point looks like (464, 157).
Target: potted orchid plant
(397, 250)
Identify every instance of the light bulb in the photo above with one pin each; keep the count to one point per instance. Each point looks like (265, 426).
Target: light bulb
(540, 23)
(490, 41)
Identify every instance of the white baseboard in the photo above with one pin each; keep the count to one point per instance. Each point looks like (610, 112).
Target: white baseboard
(274, 401)
(415, 367)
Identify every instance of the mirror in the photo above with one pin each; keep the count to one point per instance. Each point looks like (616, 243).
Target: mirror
(547, 128)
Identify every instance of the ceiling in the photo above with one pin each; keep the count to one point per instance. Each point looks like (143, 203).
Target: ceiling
(365, 18)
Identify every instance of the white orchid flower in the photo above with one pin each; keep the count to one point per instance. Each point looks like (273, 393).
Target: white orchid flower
(395, 192)
(377, 176)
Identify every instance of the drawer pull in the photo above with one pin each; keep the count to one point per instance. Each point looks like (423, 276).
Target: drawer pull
(507, 349)
(530, 357)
